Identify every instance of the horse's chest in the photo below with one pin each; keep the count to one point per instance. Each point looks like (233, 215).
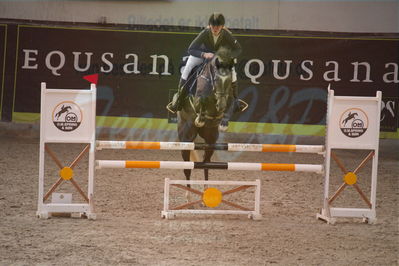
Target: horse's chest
(208, 101)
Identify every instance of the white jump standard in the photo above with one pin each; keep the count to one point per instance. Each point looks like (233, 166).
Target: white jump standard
(67, 116)
(354, 124)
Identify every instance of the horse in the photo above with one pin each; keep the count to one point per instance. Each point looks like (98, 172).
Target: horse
(209, 108)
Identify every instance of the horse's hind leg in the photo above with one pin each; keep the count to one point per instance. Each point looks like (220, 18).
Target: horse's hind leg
(207, 158)
(186, 133)
(210, 135)
(187, 173)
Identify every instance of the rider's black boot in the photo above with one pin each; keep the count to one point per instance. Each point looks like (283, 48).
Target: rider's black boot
(177, 101)
(234, 88)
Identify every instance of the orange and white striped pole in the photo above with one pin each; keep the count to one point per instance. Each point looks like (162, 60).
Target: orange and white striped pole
(317, 168)
(151, 145)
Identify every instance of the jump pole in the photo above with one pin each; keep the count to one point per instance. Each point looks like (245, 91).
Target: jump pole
(316, 168)
(247, 147)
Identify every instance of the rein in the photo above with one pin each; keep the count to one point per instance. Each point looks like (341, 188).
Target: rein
(211, 79)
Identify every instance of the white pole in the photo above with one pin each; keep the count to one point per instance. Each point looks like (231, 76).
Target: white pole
(166, 195)
(41, 152)
(257, 197)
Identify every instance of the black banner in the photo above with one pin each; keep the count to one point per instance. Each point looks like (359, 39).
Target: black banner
(3, 46)
(284, 79)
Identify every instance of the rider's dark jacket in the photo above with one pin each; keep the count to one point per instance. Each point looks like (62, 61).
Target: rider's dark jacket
(204, 43)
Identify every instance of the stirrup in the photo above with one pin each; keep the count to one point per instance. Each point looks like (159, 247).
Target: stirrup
(169, 108)
(242, 105)
(176, 103)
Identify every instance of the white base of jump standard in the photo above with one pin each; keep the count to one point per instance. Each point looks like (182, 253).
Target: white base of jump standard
(49, 209)
(368, 215)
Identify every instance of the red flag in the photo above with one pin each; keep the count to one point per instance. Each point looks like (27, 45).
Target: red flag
(92, 78)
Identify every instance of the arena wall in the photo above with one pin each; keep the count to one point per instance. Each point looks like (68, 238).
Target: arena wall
(377, 16)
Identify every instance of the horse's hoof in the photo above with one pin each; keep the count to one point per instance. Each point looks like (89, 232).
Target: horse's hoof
(199, 122)
(223, 128)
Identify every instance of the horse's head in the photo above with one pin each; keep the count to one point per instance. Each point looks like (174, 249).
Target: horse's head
(223, 63)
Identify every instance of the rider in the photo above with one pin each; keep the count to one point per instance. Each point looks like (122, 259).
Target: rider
(204, 47)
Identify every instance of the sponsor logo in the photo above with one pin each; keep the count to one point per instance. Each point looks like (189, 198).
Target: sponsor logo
(389, 114)
(354, 122)
(67, 116)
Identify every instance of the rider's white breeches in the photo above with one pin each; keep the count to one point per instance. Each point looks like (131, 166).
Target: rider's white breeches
(195, 61)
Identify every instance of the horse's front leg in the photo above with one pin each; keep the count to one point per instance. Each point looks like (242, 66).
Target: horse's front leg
(200, 120)
(186, 157)
(224, 122)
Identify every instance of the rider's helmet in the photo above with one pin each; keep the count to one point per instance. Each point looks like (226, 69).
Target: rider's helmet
(216, 19)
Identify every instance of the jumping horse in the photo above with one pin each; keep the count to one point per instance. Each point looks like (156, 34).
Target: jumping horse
(209, 108)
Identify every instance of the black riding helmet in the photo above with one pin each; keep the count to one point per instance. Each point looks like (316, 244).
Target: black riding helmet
(216, 19)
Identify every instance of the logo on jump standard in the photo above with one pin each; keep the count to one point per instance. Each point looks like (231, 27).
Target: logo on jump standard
(67, 116)
(354, 122)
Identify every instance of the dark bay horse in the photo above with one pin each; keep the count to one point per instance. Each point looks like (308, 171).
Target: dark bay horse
(210, 108)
